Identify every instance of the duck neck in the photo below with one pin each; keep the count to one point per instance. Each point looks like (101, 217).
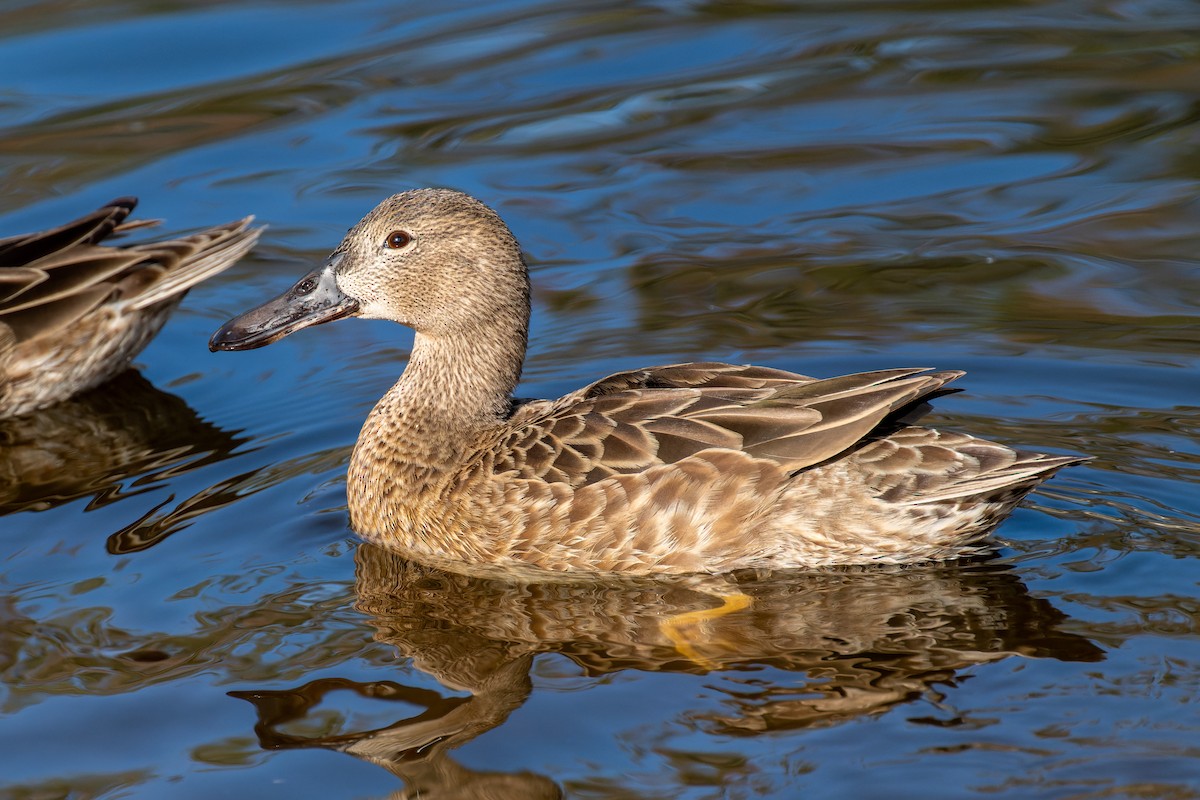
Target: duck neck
(453, 389)
(452, 396)
(460, 382)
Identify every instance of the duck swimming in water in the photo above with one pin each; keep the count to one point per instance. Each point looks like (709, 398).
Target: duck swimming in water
(687, 468)
(75, 310)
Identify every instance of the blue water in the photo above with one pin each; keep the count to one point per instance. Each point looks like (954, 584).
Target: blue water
(1008, 189)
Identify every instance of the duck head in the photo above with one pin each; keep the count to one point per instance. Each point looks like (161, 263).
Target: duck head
(436, 260)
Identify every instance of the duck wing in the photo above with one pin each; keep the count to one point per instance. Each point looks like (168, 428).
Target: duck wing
(51, 279)
(634, 420)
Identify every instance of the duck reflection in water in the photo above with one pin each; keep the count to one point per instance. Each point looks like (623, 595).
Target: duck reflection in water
(859, 641)
(109, 443)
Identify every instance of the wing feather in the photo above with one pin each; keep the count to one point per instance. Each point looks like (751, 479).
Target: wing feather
(922, 465)
(50, 278)
(630, 421)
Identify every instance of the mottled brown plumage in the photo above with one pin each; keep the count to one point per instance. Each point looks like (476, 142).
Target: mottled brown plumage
(74, 311)
(685, 468)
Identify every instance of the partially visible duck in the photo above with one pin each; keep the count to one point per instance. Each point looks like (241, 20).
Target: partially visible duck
(688, 468)
(75, 310)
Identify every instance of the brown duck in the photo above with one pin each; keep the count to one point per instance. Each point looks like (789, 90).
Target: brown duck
(74, 311)
(686, 468)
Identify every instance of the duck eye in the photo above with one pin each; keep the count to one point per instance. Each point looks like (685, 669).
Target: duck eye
(398, 239)
(305, 286)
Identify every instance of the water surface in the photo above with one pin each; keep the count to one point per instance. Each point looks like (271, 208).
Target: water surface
(1005, 188)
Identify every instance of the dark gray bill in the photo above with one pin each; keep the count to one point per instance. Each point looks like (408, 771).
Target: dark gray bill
(313, 300)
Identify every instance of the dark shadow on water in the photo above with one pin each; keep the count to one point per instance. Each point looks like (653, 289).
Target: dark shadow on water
(116, 441)
(859, 643)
